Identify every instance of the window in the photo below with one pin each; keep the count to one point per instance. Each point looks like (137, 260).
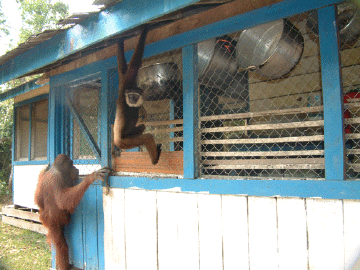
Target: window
(31, 131)
(85, 124)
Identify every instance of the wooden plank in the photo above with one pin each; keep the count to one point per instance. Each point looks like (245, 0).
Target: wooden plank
(325, 234)
(303, 124)
(263, 113)
(349, 121)
(292, 234)
(164, 130)
(25, 213)
(178, 235)
(269, 161)
(235, 232)
(264, 153)
(140, 229)
(169, 162)
(23, 224)
(163, 123)
(210, 232)
(114, 218)
(266, 140)
(268, 167)
(352, 234)
(172, 29)
(263, 245)
(352, 136)
(34, 93)
(292, 85)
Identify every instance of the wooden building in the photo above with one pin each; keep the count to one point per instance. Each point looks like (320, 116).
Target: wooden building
(255, 104)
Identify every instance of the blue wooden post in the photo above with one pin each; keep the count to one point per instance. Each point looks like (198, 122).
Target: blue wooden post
(190, 89)
(332, 95)
(55, 117)
(105, 119)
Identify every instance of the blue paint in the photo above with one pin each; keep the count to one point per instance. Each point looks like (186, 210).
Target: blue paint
(332, 95)
(190, 119)
(90, 228)
(100, 227)
(17, 105)
(74, 234)
(115, 20)
(273, 12)
(104, 120)
(20, 90)
(267, 188)
(84, 129)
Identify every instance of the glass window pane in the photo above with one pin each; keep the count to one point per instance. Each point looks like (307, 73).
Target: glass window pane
(86, 102)
(22, 133)
(39, 127)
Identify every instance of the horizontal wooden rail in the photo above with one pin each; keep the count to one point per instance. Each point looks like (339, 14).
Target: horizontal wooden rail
(303, 124)
(264, 153)
(263, 113)
(163, 123)
(266, 140)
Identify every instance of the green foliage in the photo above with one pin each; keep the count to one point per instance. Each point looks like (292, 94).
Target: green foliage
(39, 15)
(6, 112)
(4, 27)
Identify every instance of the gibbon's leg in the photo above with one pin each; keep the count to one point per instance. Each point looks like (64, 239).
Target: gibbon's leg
(143, 139)
(138, 130)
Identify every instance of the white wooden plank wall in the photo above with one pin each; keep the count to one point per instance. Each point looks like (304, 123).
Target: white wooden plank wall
(173, 230)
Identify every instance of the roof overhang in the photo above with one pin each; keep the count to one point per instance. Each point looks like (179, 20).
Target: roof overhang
(116, 20)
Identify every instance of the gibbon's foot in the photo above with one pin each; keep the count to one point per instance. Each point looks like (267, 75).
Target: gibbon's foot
(158, 148)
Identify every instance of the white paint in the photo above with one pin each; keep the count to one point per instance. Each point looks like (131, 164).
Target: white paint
(262, 233)
(114, 234)
(25, 181)
(140, 229)
(172, 230)
(326, 234)
(178, 238)
(292, 235)
(210, 232)
(235, 232)
(352, 234)
(87, 169)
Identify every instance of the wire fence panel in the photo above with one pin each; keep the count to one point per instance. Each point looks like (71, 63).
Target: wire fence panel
(261, 112)
(82, 121)
(349, 33)
(162, 113)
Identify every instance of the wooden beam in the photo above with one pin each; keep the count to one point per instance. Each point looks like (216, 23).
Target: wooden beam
(115, 20)
(175, 28)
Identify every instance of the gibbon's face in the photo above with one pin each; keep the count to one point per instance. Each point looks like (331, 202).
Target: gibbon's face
(134, 97)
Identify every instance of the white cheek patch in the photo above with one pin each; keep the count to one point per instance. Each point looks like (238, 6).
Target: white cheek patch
(137, 104)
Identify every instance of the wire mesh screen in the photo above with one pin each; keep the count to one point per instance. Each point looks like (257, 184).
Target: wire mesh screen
(82, 115)
(162, 111)
(349, 33)
(261, 113)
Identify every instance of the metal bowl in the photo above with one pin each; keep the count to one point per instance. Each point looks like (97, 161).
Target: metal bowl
(348, 22)
(159, 81)
(272, 49)
(216, 65)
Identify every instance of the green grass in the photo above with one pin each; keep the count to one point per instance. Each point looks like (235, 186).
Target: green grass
(23, 249)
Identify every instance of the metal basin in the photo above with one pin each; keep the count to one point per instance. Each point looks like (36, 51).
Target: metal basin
(348, 23)
(216, 65)
(159, 81)
(272, 49)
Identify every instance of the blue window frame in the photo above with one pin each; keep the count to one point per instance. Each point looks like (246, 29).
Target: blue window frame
(31, 131)
(333, 186)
